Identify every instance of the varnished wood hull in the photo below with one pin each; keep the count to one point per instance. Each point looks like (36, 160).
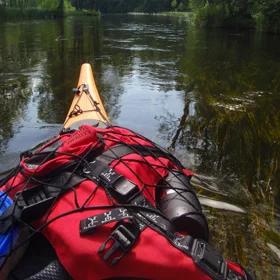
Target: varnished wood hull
(87, 105)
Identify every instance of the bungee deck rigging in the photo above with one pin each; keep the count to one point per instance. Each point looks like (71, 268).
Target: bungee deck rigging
(86, 105)
(108, 199)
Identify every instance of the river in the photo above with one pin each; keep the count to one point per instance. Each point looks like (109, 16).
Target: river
(210, 96)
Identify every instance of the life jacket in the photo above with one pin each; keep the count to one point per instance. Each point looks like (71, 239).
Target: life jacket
(95, 194)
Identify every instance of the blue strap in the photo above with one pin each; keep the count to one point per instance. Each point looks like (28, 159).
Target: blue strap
(7, 239)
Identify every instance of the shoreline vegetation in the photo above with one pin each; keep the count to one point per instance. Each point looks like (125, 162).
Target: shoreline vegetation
(41, 9)
(33, 13)
(239, 14)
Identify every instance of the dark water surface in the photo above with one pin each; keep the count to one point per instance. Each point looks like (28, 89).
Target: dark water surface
(212, 97)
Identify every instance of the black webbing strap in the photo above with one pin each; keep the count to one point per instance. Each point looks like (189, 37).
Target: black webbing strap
(204, 255)
(126, 192)
(90, 224)
(31, 203)
(141, 210)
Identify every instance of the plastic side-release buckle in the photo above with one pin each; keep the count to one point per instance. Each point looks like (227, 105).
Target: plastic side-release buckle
(33, 203)
(119, 187)
(209, 260)
(29, 205)
(119, 242)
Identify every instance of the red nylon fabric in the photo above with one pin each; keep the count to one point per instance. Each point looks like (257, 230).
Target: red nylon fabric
(236, 267)
(14, 185)
(153, 257)
(73, 144)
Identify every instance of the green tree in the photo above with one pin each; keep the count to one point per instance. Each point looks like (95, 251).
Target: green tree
(268, 14)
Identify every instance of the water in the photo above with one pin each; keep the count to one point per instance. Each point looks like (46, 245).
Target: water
(211, 96)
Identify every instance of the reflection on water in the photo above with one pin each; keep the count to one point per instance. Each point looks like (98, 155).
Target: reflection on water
(209, 96)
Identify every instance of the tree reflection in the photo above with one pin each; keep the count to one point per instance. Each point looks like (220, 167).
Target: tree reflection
(235, 134)
(14, 90)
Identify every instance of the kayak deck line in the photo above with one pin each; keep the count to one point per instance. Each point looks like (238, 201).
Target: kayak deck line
(87, 106)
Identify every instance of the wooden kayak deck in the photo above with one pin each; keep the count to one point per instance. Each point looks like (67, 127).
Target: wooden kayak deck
(87, 106)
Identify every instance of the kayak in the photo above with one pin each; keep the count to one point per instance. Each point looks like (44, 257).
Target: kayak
(87, 106)
(71, 241)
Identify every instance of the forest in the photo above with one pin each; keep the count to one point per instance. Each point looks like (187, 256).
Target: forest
(260, 14)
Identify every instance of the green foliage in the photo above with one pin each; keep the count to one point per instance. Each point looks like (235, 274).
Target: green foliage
(196, 4)
(34, 9)
(27, 13)
(223, 13)
(238, 13)
(55, 5)
(268, 15)
(210, 15)
(179, 5)
(48, 4)
(125, 6)
(173, 4)
(67, 6)
(182, 7)
(263, 14)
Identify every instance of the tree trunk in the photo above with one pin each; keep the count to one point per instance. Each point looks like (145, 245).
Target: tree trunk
(61, 7)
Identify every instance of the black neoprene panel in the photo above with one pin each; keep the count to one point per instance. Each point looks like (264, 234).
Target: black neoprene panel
(39, 263)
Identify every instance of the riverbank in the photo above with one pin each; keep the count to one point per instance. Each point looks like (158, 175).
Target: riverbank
(187, 16)
(214, 18)
(207, 16)
(40, 13)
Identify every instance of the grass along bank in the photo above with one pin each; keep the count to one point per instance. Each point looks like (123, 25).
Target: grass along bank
(39, 13)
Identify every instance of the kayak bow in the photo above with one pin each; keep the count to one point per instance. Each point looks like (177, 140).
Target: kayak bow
(87, 106)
